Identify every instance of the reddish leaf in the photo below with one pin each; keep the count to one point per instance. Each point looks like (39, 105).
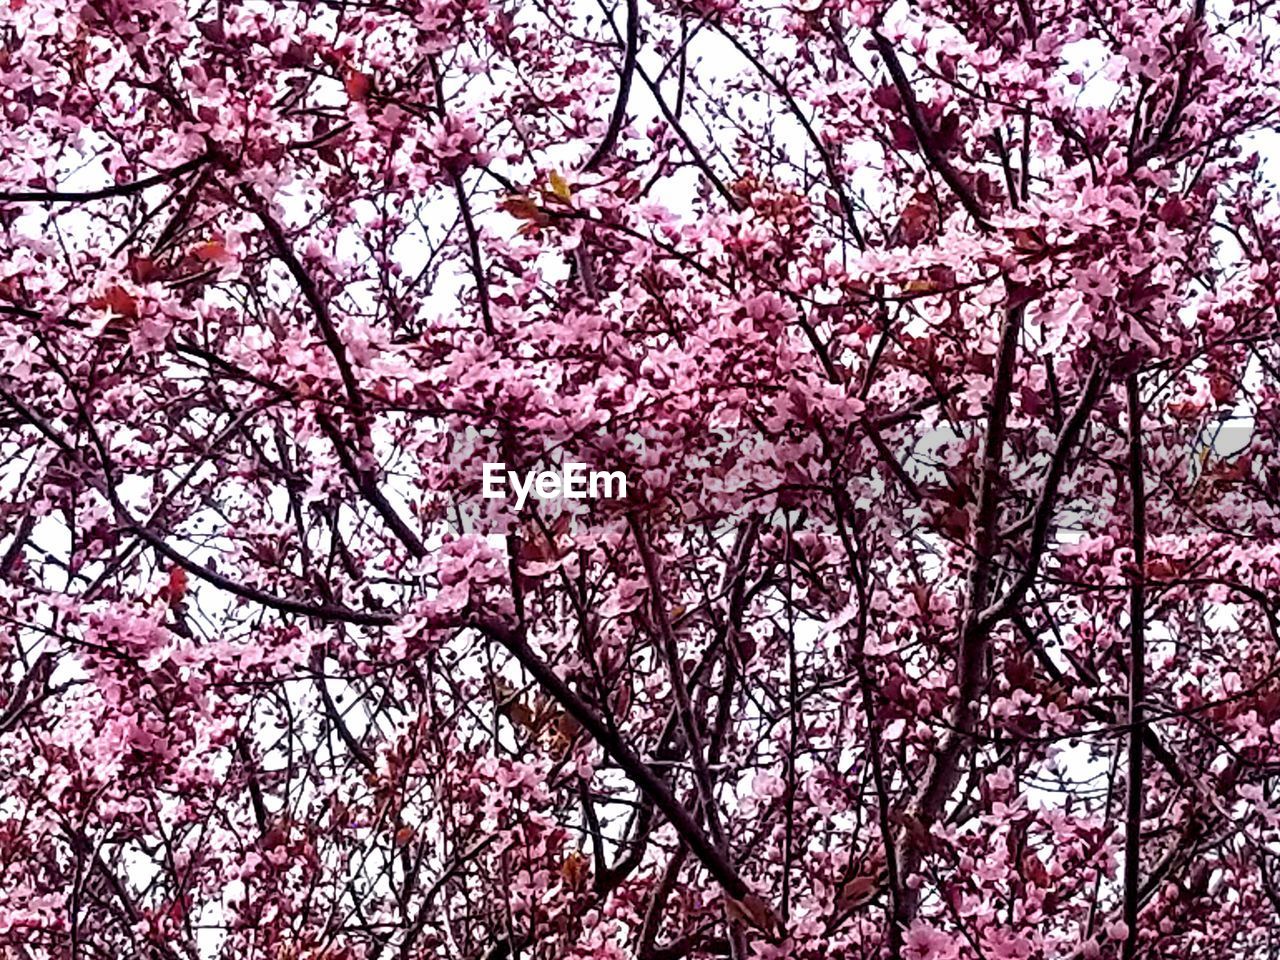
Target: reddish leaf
(177, 586)
(358, 85)
(118, 300)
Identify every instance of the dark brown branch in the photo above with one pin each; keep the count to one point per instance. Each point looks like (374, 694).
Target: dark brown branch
(924, 135)
(828, 162)
(658, 903)
(624, 87)
(1100, 713)
(943, 772)
(679, 685)
(348, 739)
(894, 908)
(1043, 513)
(675, 124)
(251, 776)
(1137, 672)
(103, 193)
(640, 773)
(14, 553)
(1176, 109)
(323, 613)
(329, 614)
(364, 481)
(311, 293)
(891, 461)
(477, 261)
(368, 489)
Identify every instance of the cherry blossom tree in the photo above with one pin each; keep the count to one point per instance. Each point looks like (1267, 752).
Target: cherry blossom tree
(937, 342)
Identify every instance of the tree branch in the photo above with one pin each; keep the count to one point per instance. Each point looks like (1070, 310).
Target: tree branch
(624, 88)
(925, 136)
(640, 773)
(104, 193)
(837, 183)
(943, 772)
(1137, 672)
(1043, 513)
(312, 295)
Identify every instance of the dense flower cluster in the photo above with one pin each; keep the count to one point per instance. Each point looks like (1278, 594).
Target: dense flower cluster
(938, 342)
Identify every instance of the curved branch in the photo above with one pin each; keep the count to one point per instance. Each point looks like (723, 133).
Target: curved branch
(330, 614)
(925, 136)
(640, 773)
(624, 88)
(1043, 514)
(326, 613)
(846, 205)
(103, 193)
(311, 293)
